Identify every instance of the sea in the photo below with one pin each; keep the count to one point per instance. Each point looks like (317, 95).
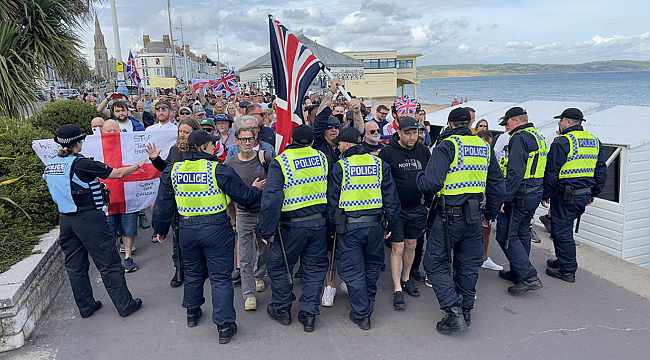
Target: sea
(607, 89)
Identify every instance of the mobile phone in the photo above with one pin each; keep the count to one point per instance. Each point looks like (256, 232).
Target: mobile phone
(116, 96)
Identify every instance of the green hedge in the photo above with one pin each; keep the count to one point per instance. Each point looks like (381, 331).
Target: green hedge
(54, 114)
(17, 232)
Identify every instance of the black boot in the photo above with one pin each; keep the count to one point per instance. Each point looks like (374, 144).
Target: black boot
(467, 313)
(567, 276)
(452, 322)
(553, 263)
(508, 275)
(193, 316)
(226, 333)
(177, 280)
(281, 316)
(530, 284)
(98, 305)
(307, 320)
(416, 275)
(363, 324)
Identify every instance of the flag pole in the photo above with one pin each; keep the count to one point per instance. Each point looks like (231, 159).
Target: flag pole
(341, 89)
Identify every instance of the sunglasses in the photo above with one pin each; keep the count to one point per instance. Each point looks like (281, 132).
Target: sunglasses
(482, 126)
(162, 108)
(184, 113)
(330, 127)
(383, 113)
(374, 131)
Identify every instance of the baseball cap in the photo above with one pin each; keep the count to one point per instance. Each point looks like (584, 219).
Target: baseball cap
(408, 123)
(571, 113)
(512, 112)
(209, 122)
(198, 109)
(351, 135)
(332, 120)
(222, 117)
(302, 134)
(200, 137)
(459, 114)
(185, 108)
(244, 104)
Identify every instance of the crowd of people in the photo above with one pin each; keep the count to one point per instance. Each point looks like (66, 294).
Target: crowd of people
(354, 181)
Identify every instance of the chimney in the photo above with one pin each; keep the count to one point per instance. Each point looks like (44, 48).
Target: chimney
(166, 40)
(187, 50)
(145, 40)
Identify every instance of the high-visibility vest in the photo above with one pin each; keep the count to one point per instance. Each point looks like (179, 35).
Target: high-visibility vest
(361, 183)
(467, 174)
(305, 177)
(196, 190)
(582, 157)
(536, 162)
(60, 177)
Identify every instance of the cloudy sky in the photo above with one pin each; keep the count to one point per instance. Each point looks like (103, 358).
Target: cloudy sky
(445, 32)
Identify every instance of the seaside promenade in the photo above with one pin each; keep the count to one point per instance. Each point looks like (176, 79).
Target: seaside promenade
(591, 319)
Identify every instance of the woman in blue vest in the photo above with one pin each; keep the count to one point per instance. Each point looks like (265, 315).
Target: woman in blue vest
(73, 181)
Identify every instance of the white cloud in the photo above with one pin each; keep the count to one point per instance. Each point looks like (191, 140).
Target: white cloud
(463, 48)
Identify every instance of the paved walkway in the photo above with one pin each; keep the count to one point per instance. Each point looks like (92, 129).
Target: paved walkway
(591, 319)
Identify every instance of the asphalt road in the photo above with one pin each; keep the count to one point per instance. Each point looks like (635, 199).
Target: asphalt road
(591, 319)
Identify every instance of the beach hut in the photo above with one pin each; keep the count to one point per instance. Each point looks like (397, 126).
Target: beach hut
(617, 221)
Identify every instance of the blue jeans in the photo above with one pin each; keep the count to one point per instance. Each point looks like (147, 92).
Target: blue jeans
(127, 224)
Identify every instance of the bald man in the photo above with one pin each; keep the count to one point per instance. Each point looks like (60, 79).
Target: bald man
(97, 124)
(110, 126)
(371, 142)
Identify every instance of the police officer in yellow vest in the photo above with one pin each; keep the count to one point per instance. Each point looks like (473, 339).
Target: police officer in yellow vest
(360, 194)
(295, 197)
(200, 188)
(523, 168)
(460, 171)
(575, 174)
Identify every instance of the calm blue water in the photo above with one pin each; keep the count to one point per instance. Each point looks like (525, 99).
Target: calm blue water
(606, 89)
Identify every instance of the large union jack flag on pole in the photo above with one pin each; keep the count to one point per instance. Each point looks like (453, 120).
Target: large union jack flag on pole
(227, 84)
(294, 68)
(131, 71)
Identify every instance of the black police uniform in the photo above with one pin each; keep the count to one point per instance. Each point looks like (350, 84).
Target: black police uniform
(465, 239)
(302, 238)
(207, 242)
(360, 249)
(85, 232)
(564, 213)
(529, 193)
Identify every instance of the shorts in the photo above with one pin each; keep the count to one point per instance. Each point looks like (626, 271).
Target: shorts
(123, 224)
(410, 224)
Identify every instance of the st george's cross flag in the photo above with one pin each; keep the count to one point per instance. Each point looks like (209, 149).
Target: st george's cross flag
(294, 68)
(132, 71)
(131, 193)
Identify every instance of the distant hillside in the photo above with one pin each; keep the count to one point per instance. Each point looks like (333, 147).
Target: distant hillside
(432, 71)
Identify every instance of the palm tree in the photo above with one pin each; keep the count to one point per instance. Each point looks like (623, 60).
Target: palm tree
(35, 34)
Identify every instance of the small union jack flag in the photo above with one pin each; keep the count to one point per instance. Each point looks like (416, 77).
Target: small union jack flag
(227, 83)
(131, 71)
(406, 105)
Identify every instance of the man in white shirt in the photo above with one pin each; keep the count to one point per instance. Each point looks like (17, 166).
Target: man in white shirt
(164, 115)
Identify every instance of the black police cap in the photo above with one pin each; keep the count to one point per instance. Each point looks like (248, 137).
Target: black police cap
(302, 134)
(512, 112)
(571, 113)
(68, 135)
(201, 137)
(351, 135)
(459, 114)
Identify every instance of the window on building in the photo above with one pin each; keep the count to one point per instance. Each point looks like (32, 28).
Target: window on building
(405, 64)
(611, 191)
(145, 50)
(379, 63)
(157, 61)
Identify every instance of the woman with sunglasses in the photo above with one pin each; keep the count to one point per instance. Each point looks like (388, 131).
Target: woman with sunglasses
(481, 125)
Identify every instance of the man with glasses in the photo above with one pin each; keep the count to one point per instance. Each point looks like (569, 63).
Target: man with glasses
(265, 133)
(164, 115)
(251, 122)
(380, 117)
(371, 142)
(252, 250)
(184, 111)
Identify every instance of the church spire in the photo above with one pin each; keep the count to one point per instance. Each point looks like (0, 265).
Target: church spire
(99, 37)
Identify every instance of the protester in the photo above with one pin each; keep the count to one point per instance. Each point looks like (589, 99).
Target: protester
(264, 132)
(226, 134)
(147, 117)
(251, 122)
(96, 124)
(120, 113)
(371, 142)
(164, 116)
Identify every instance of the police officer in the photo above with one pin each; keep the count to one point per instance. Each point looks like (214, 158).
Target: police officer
(74, 185)
(575, 174)
(523, 168)
(200, 188)
(462, 168)
(360, 190)
(295, 197)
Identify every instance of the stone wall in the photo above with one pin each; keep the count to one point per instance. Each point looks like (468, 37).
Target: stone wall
(27, 289)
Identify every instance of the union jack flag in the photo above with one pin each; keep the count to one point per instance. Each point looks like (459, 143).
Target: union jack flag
(406, 105)
(227, 83)
(131, 71)
(294, 68)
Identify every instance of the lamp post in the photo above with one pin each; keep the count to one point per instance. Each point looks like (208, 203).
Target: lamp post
(121, 84)
(184, 52)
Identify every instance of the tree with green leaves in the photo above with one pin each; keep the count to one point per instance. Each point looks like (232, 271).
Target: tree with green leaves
(35, 34)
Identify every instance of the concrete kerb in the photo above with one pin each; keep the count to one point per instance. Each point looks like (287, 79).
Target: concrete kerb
(27, 289)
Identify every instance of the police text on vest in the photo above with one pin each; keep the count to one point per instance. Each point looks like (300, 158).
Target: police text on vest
(590, 143)
(192, 178)
(475, 151)
(55, 169)
(306, 163)
(363, 170)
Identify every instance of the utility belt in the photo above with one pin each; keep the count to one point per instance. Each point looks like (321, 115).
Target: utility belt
(105, 193)
(471, 210)
(303, 218)
(341, 220)
(569, 192)
(520, 197)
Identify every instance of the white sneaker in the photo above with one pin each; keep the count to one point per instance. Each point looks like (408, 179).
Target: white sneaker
(489, 264)
(328, 296)
(344, 287)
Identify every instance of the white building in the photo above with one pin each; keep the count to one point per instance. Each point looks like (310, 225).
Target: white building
(155, 60)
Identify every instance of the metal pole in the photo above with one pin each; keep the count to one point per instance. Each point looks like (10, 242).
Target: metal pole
(171, 36)
(184, 53)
